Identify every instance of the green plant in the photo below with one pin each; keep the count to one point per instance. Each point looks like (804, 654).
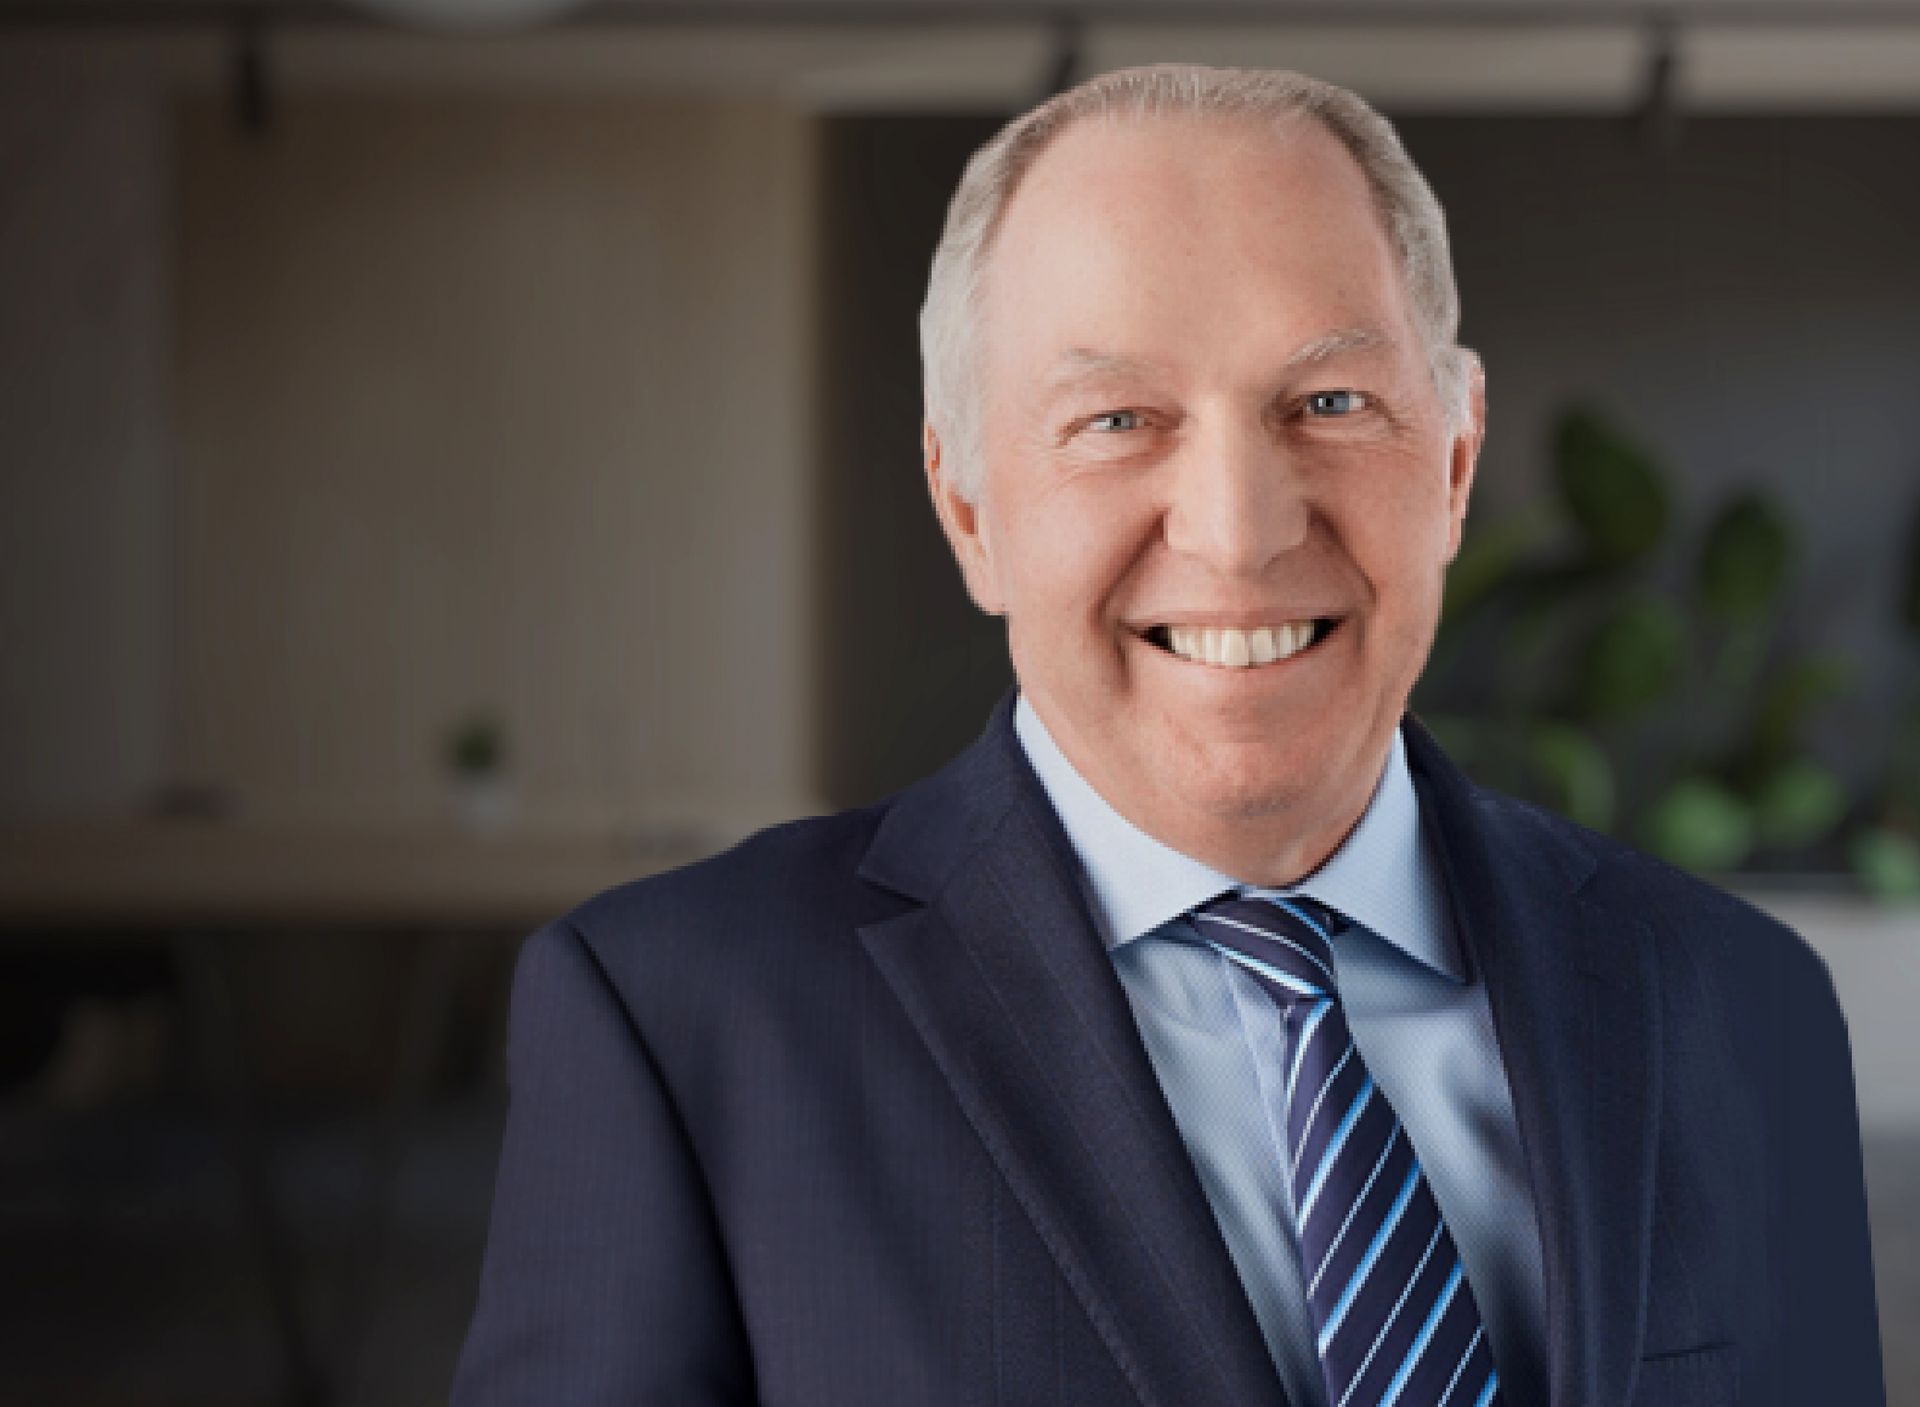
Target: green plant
(476, 746)
(1675, 714)
(1631, 662)
(1885, 851)
(1611, 488)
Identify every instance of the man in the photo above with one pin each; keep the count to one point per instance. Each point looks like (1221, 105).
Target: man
(1201, 1034)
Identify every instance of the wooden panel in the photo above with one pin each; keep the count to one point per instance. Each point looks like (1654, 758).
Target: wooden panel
(493, 403)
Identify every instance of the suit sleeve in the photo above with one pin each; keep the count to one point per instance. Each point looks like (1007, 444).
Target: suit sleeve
(604, 1280)
(1830, 1325)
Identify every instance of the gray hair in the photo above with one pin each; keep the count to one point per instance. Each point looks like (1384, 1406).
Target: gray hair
(1411, 215)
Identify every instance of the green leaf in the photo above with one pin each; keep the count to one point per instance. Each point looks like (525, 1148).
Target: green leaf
(1888, 862)
(1790, 698)
(1611, 488)
(1745, 559)
(1699, 825)
(1578, 772)
(1799, 805)
(1632, 659)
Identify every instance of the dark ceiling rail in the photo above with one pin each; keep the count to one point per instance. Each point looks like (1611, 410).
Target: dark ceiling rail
(1573, 14)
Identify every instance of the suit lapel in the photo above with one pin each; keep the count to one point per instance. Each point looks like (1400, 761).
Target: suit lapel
(1008, 983)
(1006, 980)
(1574, 993)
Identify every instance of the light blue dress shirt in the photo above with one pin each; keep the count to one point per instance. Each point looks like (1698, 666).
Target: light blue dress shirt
(1218, 1043)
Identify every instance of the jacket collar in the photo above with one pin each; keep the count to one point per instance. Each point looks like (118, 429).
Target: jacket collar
(1001, 971)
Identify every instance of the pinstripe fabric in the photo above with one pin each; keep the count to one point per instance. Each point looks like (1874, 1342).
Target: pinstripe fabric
(1397, 1323)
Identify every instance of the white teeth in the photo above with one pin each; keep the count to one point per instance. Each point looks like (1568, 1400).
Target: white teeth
(1239, 649)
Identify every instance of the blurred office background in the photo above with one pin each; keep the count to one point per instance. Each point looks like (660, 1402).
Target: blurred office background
(457, 455)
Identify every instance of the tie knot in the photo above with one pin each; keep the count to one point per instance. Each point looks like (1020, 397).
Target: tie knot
(1284, 940)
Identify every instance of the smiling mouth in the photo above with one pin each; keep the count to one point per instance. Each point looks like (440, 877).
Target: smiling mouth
(1240, 649)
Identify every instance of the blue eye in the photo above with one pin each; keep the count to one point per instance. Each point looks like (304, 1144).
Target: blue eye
(1116, 415)
(1321, 397)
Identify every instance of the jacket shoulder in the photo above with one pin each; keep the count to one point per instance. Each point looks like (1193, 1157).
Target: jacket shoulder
(1711, 922)
(791, 876)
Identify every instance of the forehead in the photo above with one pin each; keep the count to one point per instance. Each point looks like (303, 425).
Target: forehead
(1158, 236)
(1076, 363)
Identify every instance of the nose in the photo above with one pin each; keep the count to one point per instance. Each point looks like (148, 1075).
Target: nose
(1236, 500)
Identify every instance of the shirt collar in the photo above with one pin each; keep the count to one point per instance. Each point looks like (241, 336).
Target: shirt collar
(1384, 875)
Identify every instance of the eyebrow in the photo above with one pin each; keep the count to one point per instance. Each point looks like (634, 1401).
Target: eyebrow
(1360, 337)
(1078, 363)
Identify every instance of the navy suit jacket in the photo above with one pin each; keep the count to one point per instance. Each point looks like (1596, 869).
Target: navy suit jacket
(856, 1113)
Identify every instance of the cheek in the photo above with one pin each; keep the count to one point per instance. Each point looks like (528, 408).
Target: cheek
(1076, 546)
(1399, 527)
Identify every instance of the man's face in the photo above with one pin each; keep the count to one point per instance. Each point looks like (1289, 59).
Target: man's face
(1157, 455)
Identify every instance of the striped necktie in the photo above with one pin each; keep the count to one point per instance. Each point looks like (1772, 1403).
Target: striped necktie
(1397, 1323)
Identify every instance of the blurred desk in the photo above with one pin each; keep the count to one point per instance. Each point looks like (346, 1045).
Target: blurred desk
(204, 889)
(172, 874)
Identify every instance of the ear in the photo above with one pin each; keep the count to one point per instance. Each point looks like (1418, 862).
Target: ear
(963, 524)
(1464, 451)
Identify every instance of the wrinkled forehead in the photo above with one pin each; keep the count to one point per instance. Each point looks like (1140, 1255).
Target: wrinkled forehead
(1161, 228)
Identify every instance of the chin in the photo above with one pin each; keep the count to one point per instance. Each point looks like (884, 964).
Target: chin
(1236, 785)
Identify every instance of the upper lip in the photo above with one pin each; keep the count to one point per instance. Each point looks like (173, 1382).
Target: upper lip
(1237, 620)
